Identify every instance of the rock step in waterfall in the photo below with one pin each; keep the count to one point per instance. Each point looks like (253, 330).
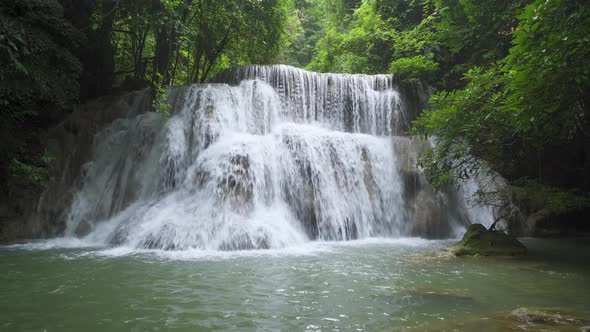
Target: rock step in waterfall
(279, 157)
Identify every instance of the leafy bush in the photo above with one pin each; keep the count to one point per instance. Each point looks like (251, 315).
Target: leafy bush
(364, 46)
(414, 68)
(468, 128)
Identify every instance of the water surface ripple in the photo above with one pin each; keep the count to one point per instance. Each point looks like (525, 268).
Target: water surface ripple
(373, 285)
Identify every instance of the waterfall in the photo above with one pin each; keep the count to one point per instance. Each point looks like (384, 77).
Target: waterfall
(275, 157)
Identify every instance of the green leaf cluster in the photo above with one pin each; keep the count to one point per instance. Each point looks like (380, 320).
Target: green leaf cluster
(417, 68)
(28, 175)
(360, 46)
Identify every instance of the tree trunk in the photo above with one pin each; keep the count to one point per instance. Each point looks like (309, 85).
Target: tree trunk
(163, 55)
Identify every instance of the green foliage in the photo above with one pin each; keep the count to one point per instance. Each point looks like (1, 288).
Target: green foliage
(535, 196)
(363, 47)
(467, 126)
(548, 67)
(34, 174)
(405, 15)
(37, 62)
(160, 97)
(369, 35)
(310, 17)
(366, 36)
(481, 26)
(414, 69)
(519, 105)
(473, 33)
(328, 49)
(339, 12)
(418, 40)
(187, 41)
(39, 73)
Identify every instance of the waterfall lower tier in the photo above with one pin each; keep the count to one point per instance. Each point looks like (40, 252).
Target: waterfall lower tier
(282, 158)
(296, 183)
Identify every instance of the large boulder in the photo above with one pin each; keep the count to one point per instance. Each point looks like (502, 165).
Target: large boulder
(480, 241)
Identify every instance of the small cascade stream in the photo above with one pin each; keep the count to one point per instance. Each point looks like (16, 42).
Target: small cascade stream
(276, 157)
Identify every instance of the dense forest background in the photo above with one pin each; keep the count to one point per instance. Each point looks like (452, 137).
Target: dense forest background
(511, 76)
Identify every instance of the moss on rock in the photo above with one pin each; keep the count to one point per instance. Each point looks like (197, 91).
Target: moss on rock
(480, 241)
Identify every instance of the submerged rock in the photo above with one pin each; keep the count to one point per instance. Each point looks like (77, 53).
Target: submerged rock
(444, 296)
(521, 319)
(543, 316)
(480, 241)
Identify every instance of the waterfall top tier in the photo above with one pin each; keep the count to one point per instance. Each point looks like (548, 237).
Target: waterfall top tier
(345, 102)
(278, 74)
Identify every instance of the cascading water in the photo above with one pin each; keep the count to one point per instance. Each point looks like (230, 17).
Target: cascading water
(282, 157)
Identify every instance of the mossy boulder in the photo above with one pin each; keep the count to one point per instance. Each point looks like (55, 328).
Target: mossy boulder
(480, 241)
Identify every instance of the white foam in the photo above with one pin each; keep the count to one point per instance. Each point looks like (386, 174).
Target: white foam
(315, 248)
(57, 243)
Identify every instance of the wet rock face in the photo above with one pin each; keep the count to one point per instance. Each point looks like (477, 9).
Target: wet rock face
(246, 242)
(479, 241)
(237, 183)
(164, 239)
(433, 212)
